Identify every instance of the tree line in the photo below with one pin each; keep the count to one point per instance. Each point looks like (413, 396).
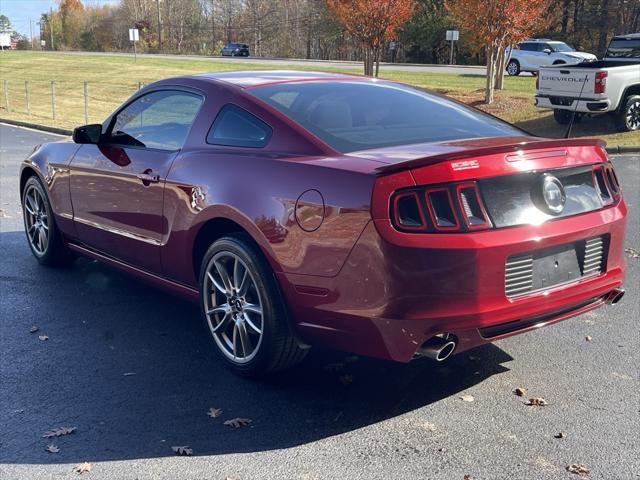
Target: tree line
(313, 29)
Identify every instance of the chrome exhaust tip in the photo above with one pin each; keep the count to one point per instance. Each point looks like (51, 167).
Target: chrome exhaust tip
(437, 348)
(614, 296)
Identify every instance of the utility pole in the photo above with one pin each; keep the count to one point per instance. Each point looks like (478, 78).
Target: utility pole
(51, 25)
(159, 27)
(31, 33)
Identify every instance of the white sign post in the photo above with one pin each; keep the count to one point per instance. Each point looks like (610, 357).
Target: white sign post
(134, 36)
(5, 40)
(452, 36)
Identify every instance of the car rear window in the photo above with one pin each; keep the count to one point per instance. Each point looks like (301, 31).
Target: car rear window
(624, 48)
(355, 115)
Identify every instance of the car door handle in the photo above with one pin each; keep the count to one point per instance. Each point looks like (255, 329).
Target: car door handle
(147, 177)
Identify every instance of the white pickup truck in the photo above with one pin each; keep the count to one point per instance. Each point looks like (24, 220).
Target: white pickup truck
(611, 85)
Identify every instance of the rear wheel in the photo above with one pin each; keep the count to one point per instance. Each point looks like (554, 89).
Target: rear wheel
(628, 117)
(244, 311)
(45, 240)
(513, 67)
(563, 117)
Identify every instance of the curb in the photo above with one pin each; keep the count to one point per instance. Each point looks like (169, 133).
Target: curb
(618, 149)
(35, 126)
(624, 149)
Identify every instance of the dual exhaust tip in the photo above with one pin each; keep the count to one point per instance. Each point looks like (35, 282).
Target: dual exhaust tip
(438, 348)
(614, 296)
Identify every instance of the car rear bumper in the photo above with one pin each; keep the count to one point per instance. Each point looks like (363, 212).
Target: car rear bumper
(590, 105)
(395, 292)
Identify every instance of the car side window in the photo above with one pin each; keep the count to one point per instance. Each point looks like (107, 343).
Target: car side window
(159, 120)
(235, 127)
(527, 47)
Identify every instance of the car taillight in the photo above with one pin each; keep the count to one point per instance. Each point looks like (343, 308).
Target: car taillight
(602, 185)
(447, 208)
(408, 214)
(612, 180)
(601, 82)
(474, 213)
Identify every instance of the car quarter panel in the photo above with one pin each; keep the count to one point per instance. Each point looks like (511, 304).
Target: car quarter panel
(264, 195)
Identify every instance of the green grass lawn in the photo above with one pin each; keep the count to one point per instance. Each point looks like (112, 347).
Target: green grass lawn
(111, 79)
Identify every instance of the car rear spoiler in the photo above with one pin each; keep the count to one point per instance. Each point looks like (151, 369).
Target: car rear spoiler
(461, 151)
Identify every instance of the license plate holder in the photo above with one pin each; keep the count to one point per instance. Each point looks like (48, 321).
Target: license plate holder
(555, 266)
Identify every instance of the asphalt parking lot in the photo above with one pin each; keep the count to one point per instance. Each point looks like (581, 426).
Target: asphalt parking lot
(131, 369)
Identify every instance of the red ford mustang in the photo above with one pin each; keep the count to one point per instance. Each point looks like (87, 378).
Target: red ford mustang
(306, 208)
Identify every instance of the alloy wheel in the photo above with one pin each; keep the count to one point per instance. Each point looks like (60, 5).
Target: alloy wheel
(36, 220)
(512, 68)
(233, 307)
(633, 116)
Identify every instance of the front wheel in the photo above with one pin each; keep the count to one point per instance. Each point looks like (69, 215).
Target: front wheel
(244, 311)
(563, 117)
(513, 68)
(628, 117)
(43, 236)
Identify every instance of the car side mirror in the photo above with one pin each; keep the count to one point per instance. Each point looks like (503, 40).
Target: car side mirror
(547, 51)
(88, 134)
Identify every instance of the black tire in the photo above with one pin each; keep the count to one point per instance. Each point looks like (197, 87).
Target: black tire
(277, 347)
(627, 117)
(55, 254)
(563, 117)
(513, 68)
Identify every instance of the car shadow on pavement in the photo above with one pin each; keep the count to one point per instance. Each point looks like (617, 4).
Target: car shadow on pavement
(132, 369)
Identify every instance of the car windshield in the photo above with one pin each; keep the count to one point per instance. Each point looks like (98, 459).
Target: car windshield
(624, 48)
(355, 115)
(561, 47)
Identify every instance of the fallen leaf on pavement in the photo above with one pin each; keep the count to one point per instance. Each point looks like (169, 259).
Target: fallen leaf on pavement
(184, 450)
(33, 329)
(588, 338)
(520, 391)
(43, 338)
(632, 252)
(578, 469)
(214, 412)
(58, 432)
(559, 435)
(51, 448)
(237, 422)
(82, 468)
(466, 477)
(537, 402)
(467, 398)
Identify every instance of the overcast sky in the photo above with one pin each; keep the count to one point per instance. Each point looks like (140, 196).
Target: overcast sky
(21, 11)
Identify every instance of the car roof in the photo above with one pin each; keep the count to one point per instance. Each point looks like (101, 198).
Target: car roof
(256, 78)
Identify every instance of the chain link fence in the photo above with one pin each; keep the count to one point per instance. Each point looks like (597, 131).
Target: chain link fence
(62, 104)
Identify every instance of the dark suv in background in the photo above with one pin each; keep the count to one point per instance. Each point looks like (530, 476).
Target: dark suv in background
(235, 50)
